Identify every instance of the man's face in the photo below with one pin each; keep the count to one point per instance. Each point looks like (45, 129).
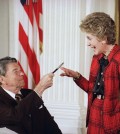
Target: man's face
(14, 77)
(96, 44)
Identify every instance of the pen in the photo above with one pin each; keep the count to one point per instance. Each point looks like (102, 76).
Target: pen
(58, 67)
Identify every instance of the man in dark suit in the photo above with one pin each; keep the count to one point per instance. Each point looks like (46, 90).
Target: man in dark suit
(28, 116)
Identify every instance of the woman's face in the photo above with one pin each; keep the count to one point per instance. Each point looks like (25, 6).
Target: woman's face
(97, 45)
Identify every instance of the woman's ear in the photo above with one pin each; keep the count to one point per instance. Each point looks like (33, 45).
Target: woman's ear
(104, 41)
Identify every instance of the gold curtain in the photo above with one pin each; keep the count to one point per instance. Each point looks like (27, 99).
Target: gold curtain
(117, 20)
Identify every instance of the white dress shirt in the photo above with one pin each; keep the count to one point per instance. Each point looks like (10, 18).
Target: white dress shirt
(10, 93)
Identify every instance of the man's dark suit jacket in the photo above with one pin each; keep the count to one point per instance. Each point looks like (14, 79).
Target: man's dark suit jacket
(29, 116)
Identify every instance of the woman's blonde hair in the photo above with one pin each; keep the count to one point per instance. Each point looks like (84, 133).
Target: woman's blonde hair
(100, 25)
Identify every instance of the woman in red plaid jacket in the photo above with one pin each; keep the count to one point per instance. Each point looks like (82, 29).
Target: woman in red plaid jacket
(103, 86)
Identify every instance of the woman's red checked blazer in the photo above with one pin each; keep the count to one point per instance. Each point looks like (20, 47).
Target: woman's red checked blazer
(111, 76)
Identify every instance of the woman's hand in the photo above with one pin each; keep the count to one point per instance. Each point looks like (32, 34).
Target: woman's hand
(69, 73)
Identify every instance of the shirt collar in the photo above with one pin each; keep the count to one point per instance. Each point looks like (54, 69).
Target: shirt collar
(113, 52)
(10, 93)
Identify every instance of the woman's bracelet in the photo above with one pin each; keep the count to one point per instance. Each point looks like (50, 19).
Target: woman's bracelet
(77, 77)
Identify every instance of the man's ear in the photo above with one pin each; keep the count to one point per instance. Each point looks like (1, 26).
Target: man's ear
(2, 79)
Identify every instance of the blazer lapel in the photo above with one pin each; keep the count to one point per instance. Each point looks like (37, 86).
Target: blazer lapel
(4, 96)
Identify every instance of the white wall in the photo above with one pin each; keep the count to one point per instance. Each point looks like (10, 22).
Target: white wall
(4, 26)
(63, 41)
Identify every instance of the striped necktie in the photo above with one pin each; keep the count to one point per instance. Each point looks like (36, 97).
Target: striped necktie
(18, 97)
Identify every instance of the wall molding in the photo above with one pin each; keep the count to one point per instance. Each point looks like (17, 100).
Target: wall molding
(70, 118)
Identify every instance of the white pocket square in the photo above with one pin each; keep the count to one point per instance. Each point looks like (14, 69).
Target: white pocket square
(41, 107)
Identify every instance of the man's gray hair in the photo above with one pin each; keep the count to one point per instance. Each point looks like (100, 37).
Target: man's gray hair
(3, 64)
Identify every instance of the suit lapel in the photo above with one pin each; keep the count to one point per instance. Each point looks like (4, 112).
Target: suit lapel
(4, 96)
(7, 99)
(25, 91)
